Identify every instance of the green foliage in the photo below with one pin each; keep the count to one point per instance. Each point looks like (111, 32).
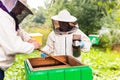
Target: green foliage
(112, 22)
(89, 19)
(109, 37)
(16, 71)
(105, 38)
(36, 20)
(105, 64)
(116, 37)
(39, 19)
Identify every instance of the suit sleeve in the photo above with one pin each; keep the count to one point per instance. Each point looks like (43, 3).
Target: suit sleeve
(49, 47)
(23, 34)
(9, 39)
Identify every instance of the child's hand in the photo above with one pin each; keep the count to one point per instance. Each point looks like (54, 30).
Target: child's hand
(43, 55)
(82, 44)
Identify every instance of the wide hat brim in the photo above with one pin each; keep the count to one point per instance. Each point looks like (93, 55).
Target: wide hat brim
(25, 6)
(70, 19)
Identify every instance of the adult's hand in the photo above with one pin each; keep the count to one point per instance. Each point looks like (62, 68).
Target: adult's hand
(35, 43)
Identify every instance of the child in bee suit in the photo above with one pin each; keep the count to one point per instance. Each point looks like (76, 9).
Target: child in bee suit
(61, 40)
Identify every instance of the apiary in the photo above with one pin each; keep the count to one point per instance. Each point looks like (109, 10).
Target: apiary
(51, 69)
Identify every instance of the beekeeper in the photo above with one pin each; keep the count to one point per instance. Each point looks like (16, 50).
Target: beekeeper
(13, 39)
(60, 40)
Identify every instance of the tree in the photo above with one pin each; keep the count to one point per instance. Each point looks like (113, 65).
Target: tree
(40, 18)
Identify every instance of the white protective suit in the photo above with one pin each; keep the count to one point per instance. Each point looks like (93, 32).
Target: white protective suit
(62, 44)
(11, 41)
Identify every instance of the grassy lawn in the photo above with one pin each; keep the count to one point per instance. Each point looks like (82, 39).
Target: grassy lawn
(105, 65)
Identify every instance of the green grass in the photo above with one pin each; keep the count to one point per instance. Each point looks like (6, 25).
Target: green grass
(105, 65)
(16, 71)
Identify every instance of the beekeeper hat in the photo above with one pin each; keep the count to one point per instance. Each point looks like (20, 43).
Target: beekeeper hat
(24, 2)
(64, 16)
(21, 10)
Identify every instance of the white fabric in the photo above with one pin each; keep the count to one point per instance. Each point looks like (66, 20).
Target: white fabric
(24, 35)
(62, 44)
(64, 16)
(9, 4)
(11, 41)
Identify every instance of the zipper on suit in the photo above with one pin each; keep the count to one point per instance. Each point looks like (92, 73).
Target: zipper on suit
(65, 46)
